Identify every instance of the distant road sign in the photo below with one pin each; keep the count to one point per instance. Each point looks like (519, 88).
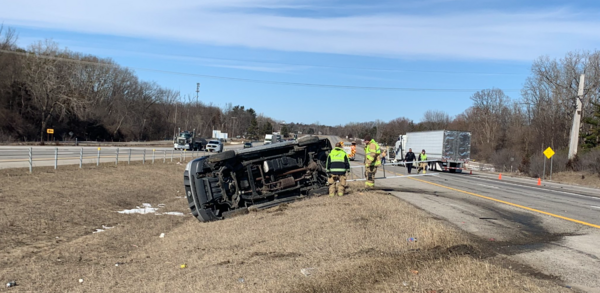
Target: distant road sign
(549, 152)
(50, 131)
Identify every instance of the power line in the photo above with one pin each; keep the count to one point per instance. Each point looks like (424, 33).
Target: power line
(239, 79)
(356, 68)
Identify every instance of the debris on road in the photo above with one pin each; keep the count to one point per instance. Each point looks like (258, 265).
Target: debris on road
(414, 272)
(80, 281)
(412, 239)
(241, 280)
(162, 235)
(183, 266)
(11, 284)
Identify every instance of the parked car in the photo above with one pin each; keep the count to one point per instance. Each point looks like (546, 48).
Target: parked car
(214, 146)
(235, 181)
(247, 145)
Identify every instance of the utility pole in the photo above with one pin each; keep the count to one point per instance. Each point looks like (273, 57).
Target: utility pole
(574, 143)
(197, 91)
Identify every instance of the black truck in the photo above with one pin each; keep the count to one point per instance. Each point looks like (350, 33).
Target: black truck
(235, 181)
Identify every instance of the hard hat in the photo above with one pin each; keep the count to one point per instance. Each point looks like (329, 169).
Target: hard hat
(338, 145)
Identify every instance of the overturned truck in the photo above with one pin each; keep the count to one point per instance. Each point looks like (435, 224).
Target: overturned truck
(231, 182)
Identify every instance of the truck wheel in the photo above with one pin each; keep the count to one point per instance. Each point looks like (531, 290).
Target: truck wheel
(221, 156)
(307, 140)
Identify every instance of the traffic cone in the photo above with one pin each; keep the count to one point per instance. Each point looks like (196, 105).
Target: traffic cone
(539, 182)
(500, 176)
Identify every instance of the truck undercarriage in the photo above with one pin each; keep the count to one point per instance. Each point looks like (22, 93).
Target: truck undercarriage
(228, 183)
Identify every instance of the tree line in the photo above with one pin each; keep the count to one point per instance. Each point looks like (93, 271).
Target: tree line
(89, 98)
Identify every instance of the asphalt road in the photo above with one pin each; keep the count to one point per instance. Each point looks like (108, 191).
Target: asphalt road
(18, 156)
(553, 228)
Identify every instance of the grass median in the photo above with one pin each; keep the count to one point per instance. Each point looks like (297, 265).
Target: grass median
(355, 243)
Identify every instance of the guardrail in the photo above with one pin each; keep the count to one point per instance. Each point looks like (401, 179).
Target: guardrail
(54, 156)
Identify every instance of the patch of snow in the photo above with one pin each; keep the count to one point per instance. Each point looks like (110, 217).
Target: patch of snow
(174, 213)
(148, 209)
(145, 209)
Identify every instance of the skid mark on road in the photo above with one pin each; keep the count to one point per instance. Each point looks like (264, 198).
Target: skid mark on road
(511, 204)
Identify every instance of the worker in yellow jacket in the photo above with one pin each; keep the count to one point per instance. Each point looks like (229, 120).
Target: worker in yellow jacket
(337, 166)
(372, 160)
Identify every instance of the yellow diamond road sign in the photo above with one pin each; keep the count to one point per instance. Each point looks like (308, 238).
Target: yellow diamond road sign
(549, 152)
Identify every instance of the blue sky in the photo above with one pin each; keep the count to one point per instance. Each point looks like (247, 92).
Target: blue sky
(428, 54)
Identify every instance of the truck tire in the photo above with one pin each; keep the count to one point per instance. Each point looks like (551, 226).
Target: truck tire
(307, 140)
(221, 156)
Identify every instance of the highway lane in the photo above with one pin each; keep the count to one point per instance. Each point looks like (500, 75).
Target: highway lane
(555, 228)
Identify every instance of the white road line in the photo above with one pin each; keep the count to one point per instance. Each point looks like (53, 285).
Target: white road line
(595, 207)
(489, 186)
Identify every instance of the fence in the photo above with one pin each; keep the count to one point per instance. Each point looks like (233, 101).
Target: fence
(54, 156)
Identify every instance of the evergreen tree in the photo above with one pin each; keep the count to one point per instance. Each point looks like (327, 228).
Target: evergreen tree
(591, 139)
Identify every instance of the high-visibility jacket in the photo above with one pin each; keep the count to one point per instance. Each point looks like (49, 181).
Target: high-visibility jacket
(422, 157)
(337, 162)
(372, 153)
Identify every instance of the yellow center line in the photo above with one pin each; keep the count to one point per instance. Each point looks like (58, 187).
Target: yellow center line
(510, 204)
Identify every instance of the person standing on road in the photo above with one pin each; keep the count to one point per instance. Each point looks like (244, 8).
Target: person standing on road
(372, 161)
(337, 166)
(383, 155)
(409, 157)
(423, 160)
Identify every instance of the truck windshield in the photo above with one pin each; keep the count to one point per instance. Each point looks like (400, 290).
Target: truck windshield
(214, 142)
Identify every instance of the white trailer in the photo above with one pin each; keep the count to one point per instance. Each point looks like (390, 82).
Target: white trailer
(447, 150)
(272, 138)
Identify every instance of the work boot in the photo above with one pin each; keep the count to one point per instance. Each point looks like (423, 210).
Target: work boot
(340, 194)
(332, 194)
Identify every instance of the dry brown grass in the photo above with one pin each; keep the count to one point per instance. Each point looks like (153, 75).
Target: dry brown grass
(578, 178)
(356, 243)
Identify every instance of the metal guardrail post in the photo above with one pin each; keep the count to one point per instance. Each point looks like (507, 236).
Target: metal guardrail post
(117, 158)
(98, 158)
(129, 159)
(153, 152)
(30, 160)
(55, 158)
(144, 159)
(165, 156)
(80, 158)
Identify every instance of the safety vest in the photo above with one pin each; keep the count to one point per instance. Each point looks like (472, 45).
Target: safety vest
(337, 162)
(372, 153)
(423, 157)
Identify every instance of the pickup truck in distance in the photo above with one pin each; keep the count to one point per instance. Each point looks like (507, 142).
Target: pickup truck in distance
(228, 183)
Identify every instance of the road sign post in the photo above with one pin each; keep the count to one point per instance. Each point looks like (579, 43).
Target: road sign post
(30, 160)
(549, 153)
(98, 158)
(129, 159)
(117, 158)
(80, 158)
(55, 158)
(153, 155)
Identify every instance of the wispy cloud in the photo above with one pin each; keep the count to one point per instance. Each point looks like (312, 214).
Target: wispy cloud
(468, 35)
